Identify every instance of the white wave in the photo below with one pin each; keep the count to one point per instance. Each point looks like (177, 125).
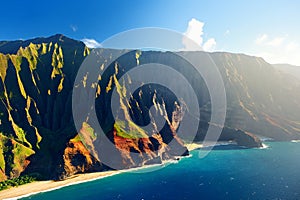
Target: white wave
(146, 168)
(264, 146)
(295, 141)
(189, 156)
(264, 139)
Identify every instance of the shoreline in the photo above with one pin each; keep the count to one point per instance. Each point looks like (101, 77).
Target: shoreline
(37, 187)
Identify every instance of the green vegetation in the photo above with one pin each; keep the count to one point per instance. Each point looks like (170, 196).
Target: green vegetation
(86, 51)
(44, 49)
(137, 55)
(2, 161)
(24, 69)
(17, 61)
(3, 64)
(31, 54)
(135, 132)
(57, 61)
(76, 139)
(89, 130)
(39, 138)
(60, 86)
(16, 182)
(22, 89)
(12, 155)
(21, 135)
(20, 153)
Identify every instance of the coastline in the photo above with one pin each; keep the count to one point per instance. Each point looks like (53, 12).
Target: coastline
(49, 185)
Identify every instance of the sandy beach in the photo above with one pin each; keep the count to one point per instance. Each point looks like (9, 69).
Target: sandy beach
(44, 186)
(193, 146)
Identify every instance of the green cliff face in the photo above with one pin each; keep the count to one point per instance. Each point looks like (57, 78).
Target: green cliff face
(37, 130)
(36, 82)
(37, 133)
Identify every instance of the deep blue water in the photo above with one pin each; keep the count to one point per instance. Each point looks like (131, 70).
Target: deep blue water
(225, 173)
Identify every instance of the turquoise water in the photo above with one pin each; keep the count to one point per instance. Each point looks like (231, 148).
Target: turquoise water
(226, 173)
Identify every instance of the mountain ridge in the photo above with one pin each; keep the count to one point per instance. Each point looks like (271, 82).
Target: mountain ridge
(36, 92)
(11, 47)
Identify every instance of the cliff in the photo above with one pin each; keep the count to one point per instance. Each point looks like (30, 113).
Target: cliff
(38, 135)
(37, 132)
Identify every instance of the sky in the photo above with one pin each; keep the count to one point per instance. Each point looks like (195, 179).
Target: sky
(268, 28)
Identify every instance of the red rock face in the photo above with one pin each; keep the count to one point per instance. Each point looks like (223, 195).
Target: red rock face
(77, 159)
(134, 152)
(143, 147)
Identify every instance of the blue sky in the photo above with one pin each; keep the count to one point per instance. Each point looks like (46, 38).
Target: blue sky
(267, 28)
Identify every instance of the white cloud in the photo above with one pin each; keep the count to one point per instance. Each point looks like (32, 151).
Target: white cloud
(73, 27)
(193, 40)
(91, 43)
(210, 45)
(195, 31)
(278, 49)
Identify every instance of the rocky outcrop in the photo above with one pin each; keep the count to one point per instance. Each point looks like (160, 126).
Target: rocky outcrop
(146, 149)
(240, 137)
(78, 159)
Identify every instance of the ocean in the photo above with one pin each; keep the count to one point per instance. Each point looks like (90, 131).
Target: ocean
(227, 172)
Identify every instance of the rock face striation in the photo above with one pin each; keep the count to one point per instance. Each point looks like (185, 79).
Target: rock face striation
(37, 132)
